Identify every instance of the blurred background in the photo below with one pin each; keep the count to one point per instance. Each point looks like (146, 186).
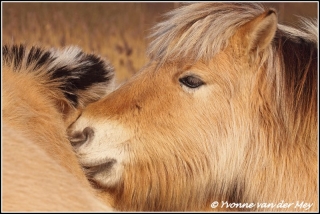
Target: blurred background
(116, 31)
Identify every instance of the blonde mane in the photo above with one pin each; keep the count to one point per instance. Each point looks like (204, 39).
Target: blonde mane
(208, 23)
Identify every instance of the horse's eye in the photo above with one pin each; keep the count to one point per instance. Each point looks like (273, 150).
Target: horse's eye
(191, 81)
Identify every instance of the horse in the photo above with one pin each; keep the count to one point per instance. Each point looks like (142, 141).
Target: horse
(223, 117)
(43, 92)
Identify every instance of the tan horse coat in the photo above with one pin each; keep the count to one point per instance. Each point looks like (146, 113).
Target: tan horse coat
(40, 171)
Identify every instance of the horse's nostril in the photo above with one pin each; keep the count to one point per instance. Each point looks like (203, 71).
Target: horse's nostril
(88, 131)
(77, 138)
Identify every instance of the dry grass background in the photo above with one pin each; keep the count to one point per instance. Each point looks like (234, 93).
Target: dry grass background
(117, 31)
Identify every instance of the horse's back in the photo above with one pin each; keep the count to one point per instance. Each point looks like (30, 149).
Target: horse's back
(28, 169)
(40, 169)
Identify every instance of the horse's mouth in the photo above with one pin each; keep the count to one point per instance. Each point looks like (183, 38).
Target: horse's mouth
(105, 167)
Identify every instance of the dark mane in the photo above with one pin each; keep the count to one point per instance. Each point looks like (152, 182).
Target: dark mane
(299, 60)
(70, 68)
(298, 54)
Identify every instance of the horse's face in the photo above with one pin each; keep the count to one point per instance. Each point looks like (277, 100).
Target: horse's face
(164, 112)
(163, 139)
(167, 130)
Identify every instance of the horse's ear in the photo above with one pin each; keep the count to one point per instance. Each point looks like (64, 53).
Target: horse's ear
(258, 33)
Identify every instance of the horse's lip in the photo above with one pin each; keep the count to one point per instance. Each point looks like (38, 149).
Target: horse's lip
(92, 169)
